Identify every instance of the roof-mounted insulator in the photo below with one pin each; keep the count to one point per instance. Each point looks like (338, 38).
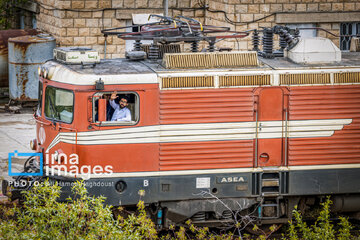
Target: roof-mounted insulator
(256, 40)
(268, 42)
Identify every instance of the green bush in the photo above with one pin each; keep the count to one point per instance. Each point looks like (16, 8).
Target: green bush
(322, 229)
(84, 217)
(9, 12)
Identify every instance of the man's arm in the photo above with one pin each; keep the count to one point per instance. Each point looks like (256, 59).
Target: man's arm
(113, 104)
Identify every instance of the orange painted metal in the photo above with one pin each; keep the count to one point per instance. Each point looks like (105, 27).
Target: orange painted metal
(206, 106)
(326, 102)
(271, 104)
(206, 155)
(122, 157)
(102, 110)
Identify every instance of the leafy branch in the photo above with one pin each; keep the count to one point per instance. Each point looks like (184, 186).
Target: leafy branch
(9, 11)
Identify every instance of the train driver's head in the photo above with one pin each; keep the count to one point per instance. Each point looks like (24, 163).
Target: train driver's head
(124, 101)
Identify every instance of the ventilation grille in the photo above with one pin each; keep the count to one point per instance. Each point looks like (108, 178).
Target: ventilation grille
(61, 56)
(187, 82)
(229, 81)
(309, 78)
(167, 48)
(210, 60)
(76, 55)
(349, 77)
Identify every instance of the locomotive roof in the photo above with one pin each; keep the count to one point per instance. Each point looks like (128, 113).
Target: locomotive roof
(349, 59)
(124, 71)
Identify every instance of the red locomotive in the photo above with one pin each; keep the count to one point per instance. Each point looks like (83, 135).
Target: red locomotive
(212, 135)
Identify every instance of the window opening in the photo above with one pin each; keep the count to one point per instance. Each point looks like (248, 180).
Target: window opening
(347, 32)
(59, 104)
(123, 110)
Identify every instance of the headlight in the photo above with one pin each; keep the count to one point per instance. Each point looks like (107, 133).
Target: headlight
(51, 71)
(33, 144)
(39, 71)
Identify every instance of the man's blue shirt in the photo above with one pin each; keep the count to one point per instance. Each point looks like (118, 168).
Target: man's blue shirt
(120, 114)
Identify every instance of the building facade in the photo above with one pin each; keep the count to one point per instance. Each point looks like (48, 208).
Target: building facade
(79, 22)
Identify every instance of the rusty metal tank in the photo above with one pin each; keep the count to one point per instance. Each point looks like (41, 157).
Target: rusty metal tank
(26, 54)
(4, 65)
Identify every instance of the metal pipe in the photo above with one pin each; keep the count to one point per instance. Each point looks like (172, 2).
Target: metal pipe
(322, 29)
(105, 47)
(166, 8)
(345, 203)
(256, 140)
(286, 135)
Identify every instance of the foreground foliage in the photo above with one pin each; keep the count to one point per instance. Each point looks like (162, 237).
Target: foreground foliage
(323, 228)
(82, 217)
(86, 217)
(9, 12)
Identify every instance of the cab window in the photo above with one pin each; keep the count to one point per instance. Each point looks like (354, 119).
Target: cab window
(119, 108)
(59, 104)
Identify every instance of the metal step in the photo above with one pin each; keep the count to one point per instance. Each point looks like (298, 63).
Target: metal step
(270, 194)
(270, 182)
(272, 204)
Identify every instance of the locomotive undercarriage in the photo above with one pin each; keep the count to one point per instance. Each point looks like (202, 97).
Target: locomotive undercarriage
(244, 212)
(225, 212)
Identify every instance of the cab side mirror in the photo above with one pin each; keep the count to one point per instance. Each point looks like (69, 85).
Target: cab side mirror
(102, 110)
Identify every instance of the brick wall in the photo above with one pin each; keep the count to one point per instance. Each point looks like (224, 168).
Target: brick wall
(79, 22)
(246, 12)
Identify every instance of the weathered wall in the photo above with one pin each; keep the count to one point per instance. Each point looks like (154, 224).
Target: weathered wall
(246, 13)
(78, 22)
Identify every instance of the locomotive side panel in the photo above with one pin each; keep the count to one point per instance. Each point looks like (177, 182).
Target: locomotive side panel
(206, 106)
(206, 155)
(339, 144)
(121, 157)
(204, 115)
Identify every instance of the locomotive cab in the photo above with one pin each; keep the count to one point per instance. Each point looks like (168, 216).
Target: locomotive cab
(66, 109)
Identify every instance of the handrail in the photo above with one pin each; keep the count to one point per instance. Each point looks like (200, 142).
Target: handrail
(256, 139)
(286, 135)
(45, 123)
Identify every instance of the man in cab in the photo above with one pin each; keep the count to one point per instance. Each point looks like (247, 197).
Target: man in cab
(121, 112)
